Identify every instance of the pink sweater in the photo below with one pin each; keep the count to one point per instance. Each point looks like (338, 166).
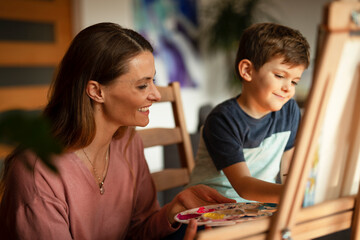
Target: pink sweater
(43, 205)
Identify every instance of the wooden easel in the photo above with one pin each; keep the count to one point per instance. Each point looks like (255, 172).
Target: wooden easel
(291, 220)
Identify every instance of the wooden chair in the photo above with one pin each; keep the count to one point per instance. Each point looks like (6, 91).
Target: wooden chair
(24, 98)
(172, 177)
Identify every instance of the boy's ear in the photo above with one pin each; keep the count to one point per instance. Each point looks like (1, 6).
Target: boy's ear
(94, 91)
(245, 68)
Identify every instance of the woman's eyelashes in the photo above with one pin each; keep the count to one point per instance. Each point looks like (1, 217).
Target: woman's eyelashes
(144, 86)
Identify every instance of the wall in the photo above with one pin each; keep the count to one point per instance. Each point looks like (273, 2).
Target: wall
(88, 12)
(302, 15)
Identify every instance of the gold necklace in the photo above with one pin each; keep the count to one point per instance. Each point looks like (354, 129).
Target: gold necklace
(101, 182)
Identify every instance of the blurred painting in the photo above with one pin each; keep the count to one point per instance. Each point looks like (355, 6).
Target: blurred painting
(171, 26)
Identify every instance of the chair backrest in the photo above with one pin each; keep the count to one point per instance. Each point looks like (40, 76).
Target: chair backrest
(171, 177)
(23, 98)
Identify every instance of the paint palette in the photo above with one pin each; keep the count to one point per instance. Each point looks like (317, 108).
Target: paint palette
(227, 213)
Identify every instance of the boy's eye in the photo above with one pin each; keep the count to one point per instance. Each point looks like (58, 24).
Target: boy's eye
(294, 83)
(279, 76)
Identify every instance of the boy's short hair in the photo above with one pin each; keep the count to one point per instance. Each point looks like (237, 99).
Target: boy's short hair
(261, 42)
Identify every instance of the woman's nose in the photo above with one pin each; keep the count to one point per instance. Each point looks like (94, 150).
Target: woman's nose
(154, 95)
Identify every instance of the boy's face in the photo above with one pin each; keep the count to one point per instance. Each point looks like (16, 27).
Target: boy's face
(273, 85)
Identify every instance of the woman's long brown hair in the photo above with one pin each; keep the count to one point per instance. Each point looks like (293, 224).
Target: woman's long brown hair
(101, 53)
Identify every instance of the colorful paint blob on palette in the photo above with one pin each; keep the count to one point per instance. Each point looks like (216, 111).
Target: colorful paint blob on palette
(228, 213)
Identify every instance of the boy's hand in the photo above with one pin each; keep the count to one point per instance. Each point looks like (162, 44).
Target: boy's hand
(196, 196)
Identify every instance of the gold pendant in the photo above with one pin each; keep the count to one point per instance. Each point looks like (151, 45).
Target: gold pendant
(102, 190)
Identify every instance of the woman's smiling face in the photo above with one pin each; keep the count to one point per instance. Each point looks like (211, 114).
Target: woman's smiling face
(128, 99)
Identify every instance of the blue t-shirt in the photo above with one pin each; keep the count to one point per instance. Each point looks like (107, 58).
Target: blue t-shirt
(230, 136)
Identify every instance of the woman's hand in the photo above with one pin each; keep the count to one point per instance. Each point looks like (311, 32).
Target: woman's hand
(196, 196)
(191, 230)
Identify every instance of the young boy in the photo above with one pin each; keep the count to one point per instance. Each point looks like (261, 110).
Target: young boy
(247, 140)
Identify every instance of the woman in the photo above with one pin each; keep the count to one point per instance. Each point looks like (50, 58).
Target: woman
(105, 83)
